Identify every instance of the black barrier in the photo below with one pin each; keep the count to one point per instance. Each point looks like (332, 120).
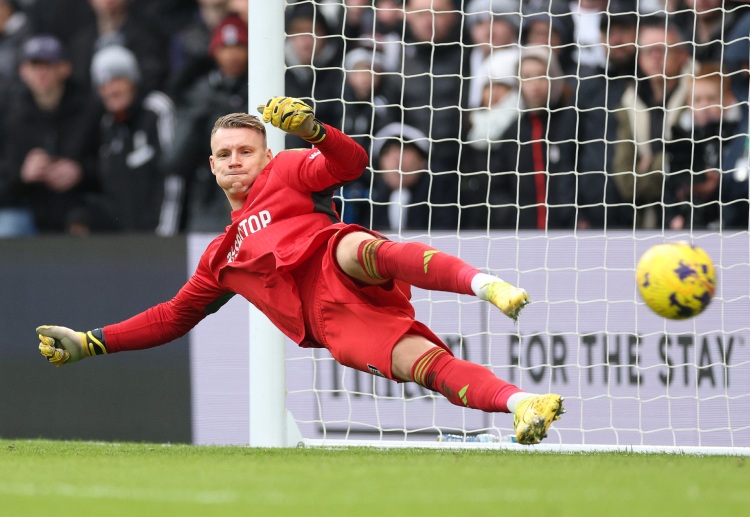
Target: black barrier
(85, 283)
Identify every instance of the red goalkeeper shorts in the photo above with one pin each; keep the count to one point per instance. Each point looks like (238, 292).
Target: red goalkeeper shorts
(359, 324)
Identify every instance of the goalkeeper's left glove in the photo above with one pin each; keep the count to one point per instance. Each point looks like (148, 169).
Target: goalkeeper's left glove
(293, 116)
(61, 345)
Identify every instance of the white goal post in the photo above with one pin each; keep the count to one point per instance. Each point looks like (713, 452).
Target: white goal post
(631, 380)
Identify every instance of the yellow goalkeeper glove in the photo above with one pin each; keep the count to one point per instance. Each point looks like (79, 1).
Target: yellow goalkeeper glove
(61, 345)
(293, 116)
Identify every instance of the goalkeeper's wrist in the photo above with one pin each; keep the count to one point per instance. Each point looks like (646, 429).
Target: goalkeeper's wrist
(318, 134)
(93, 343)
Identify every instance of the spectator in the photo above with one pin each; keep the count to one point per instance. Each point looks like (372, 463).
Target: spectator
(353, 20)
(600, 92)
(499, 103)
(705, 22)
(533, 181)
(46, 148)
(188, 56)
(586, 20)
(366, 111)
(15, 28)
(498, 110)
(366, 96)
(736, 163)
(401, 182)
(493, 29)
(135, 130)
(15, 214)
(314, 61)
(222, 90)
(692, 187)
(554, 31)
(647, 112)
(115, 22)
(388, 35)
(432, 94)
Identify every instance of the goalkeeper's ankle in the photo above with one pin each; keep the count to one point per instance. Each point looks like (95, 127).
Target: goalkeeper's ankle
(480, 282)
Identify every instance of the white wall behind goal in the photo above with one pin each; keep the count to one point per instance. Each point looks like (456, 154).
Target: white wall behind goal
(628, 376)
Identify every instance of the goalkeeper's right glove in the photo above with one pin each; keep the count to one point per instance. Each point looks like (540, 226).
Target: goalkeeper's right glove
(293, 116)
(61, 345)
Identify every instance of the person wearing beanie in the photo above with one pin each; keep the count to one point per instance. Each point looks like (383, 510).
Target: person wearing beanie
(400, 184)
(135, 130)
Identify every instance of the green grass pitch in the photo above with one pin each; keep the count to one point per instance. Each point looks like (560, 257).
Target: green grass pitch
(40, 478)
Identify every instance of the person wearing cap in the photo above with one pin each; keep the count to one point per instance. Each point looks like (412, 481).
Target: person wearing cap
(135, 130)
(46, 145)
(400, 181)
(532, 168)
(222, 89)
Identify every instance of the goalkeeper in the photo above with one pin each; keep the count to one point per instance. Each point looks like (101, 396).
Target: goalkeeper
(322, 282)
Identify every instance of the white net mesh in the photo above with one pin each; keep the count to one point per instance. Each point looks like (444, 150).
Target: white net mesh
(550, 143)
(521, 161)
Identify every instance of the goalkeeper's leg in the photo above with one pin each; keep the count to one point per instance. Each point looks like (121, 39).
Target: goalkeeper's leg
(373, 261)
(471, 385)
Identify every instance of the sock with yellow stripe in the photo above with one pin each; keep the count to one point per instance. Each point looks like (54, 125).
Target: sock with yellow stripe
(416, 264)
(462, 382)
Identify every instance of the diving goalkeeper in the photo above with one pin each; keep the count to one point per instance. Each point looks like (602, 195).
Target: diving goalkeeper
(322, 282)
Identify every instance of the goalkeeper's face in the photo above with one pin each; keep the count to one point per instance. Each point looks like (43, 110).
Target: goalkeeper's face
(237, 157)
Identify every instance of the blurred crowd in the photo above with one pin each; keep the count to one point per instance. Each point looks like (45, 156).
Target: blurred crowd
(481, 114)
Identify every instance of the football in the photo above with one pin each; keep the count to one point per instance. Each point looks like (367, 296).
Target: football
(676, 280)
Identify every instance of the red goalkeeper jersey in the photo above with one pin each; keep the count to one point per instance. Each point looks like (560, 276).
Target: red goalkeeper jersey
(287, 215)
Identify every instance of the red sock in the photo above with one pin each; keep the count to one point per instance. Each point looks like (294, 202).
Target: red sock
(462, 382)
(416, 264)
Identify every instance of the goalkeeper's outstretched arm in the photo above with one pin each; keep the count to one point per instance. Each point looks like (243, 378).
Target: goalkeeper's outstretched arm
(158, 325)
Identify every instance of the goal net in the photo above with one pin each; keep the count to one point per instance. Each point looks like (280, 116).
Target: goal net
(551, 144)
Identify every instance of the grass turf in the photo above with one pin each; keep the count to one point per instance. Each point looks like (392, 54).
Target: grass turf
(82, 478)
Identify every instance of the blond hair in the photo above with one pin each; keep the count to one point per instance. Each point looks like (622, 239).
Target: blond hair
(240, 120)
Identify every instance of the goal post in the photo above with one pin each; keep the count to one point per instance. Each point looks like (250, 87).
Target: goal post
(270, 425)
(631, 380)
